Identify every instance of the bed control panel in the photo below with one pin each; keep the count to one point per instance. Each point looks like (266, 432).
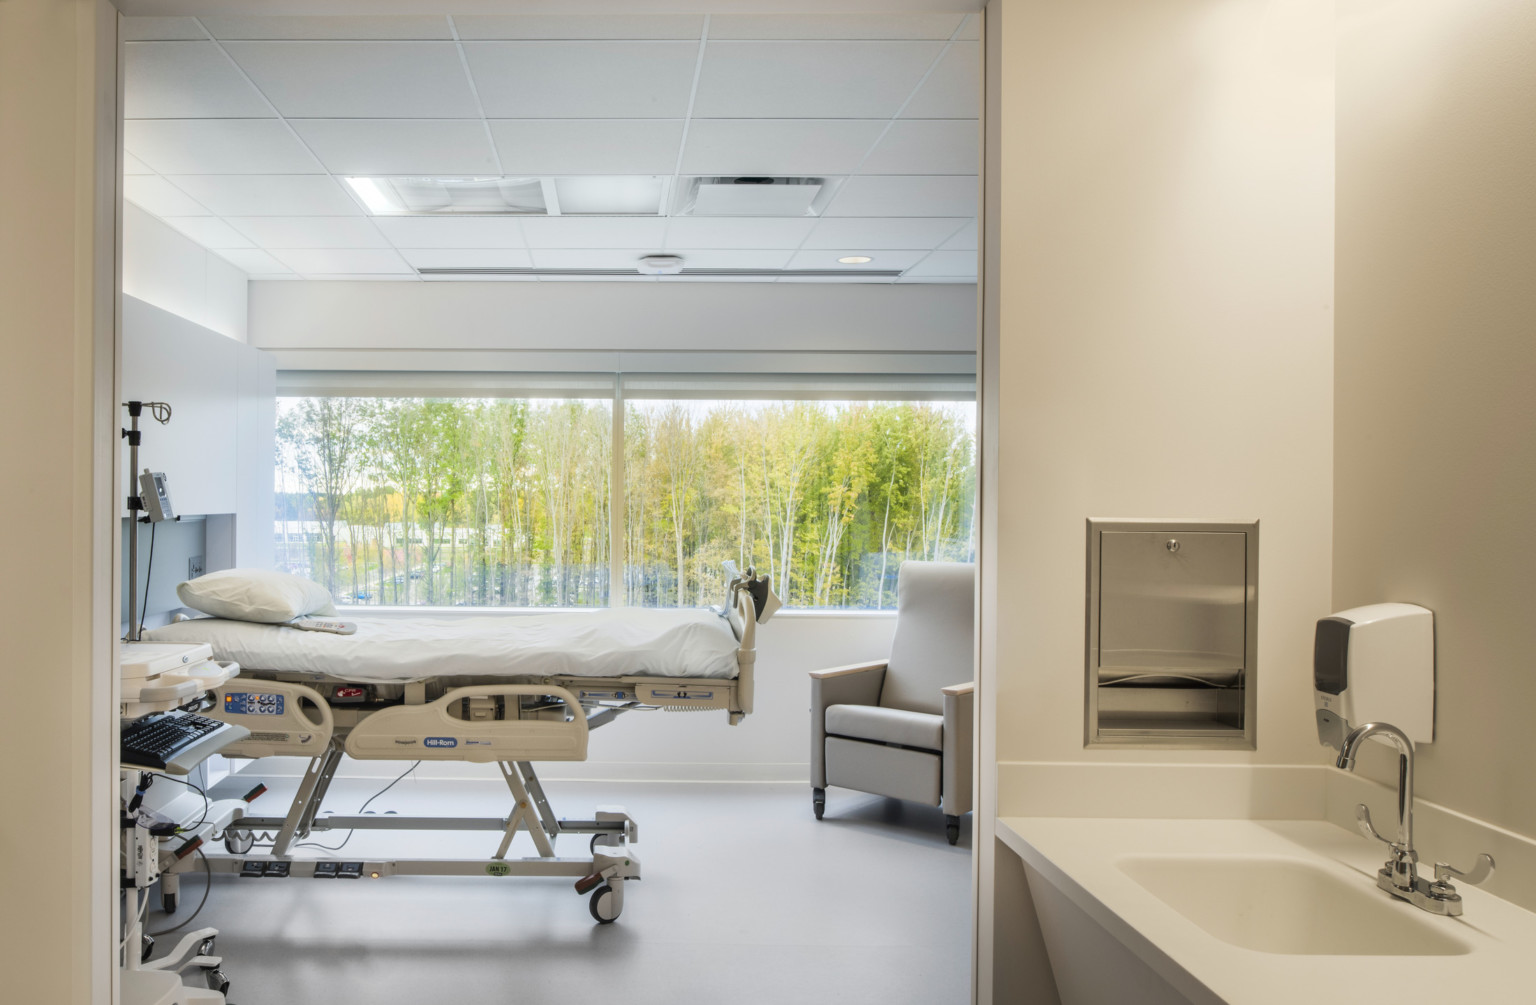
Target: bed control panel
(284, 719)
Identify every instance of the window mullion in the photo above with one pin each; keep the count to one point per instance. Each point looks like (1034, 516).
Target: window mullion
(616, 591)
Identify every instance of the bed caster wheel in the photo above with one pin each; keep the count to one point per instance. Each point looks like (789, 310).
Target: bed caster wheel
(599, 842)
(217, 981)
(146, 948)
(205, 948)
(239, 842)
(168, 903)
(952, 829)
(603, 905)
(819, 802)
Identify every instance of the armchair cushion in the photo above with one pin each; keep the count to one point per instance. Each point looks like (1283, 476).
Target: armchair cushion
(887, 725)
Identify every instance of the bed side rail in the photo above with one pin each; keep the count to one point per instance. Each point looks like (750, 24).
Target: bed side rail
(485, 722)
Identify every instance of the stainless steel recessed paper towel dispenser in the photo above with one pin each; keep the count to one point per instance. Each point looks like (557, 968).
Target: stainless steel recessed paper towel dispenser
(1172, 613)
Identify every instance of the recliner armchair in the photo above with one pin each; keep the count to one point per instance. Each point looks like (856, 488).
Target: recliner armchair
(902, 727)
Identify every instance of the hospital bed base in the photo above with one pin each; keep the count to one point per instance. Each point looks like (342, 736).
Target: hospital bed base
(603, 874)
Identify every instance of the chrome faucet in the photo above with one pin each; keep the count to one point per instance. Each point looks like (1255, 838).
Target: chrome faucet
(1400, 876)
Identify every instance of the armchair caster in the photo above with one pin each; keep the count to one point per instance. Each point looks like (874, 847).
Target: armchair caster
(819, 801)
(952, 828)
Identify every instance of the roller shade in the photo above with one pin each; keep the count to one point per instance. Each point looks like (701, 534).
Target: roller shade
(801, 386)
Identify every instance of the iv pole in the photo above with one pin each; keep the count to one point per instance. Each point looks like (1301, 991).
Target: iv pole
(161, 413)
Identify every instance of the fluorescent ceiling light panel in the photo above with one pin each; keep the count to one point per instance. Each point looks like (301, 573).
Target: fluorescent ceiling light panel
(616, 195)
(431, 196)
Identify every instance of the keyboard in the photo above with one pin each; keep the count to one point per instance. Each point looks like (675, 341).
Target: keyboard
(175, 741)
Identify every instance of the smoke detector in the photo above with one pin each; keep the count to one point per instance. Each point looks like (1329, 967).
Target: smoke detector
(660, 265)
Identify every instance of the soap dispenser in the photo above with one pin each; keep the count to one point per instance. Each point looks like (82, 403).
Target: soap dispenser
(1375, 664)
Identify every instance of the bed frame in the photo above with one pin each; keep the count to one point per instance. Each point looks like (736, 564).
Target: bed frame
(511, 721)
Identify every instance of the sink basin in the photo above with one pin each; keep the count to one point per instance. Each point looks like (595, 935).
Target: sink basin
(1290, 906)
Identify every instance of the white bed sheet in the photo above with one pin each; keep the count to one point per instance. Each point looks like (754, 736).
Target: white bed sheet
(619, 642)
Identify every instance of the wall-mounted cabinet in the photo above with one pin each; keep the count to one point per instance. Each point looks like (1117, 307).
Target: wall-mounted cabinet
(1172, 616)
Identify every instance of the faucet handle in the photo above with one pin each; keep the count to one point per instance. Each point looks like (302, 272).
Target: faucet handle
(1363, 823)
(1479, 872)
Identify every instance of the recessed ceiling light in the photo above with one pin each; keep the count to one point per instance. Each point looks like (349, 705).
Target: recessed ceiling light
(660, 265)
(855, 260)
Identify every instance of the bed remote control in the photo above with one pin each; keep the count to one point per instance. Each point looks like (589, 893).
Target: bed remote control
(324, 625)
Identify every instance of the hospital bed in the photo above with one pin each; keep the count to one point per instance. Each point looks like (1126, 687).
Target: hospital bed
(510, 689)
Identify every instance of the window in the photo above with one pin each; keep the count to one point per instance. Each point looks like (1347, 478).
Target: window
(460, 502)
(827, 497)
(470, 500)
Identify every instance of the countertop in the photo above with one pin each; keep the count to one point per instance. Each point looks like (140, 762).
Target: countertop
(1079, 856)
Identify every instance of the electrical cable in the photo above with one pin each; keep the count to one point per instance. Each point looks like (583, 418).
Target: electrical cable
(360, 809)
(194, 788)
(207, 889)
(149, 568)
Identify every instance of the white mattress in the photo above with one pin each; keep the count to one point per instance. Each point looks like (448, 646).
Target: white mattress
(617, 642)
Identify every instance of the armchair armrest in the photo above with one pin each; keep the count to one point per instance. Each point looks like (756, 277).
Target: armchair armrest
(854, 684)
(959, 721)
(845, 671)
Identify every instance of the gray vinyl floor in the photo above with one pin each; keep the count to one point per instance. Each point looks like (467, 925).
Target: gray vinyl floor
(745, 898)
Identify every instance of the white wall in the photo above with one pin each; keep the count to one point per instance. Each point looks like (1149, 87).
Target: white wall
(538, 326)
(1436, 394)
(1163, 218)
(58, 280)
(217, 450)
(164, 267)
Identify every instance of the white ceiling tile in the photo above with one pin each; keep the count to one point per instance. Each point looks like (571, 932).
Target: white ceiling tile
(330, 27)
(724, 232)
(359, 79)
(878, 259)
(310, 232)
(132, 165)
(451, 231)
(810, 79)
(971, 30)
(158, 196)
(186, 80)
(583, 80)
(946, 263)
(880, 232)
(713, 259)
(400, 146)
(210, 232)
(269, 194)
(927, 146)
(594, 232)
(965, 240)
(152, 29)
(953, 89)
(833, 26)
(778, 146)
(217, 146)
(254, 262)
(467, 258)
(353, 261)
(589, 258)
(588, 146)
(579, 26)
(906, 195)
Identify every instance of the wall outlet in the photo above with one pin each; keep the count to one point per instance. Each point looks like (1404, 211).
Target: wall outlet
(194, 566)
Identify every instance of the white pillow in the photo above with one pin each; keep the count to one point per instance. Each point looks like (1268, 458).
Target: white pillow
(263, 595)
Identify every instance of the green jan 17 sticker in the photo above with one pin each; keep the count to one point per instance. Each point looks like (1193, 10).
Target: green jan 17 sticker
(497, 869)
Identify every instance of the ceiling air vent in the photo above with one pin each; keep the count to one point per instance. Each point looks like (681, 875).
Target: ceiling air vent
(754, 195)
